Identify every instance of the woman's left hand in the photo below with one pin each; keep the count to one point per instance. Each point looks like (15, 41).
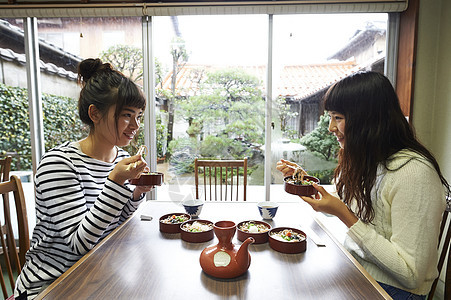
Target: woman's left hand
(327, 203)
(140, 189)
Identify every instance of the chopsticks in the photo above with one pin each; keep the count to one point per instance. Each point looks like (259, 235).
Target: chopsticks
(140, 151)
(314, 237)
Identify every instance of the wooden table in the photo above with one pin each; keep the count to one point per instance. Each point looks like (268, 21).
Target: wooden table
(137, 261)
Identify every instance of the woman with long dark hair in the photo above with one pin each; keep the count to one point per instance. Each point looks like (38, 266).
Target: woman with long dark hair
(391, 192)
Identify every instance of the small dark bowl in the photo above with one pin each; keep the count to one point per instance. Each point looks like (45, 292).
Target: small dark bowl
(153, 178)
(259, 237)
(300, 190)
(196, 237)
(286, 246)
(172, 227)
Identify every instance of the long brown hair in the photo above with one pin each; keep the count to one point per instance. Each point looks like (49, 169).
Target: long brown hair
(375, 130)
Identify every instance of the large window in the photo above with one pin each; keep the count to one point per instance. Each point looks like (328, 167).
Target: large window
(211, 101)
(211, 85)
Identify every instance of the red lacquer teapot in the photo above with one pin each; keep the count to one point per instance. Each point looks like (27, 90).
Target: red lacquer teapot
(226, 260)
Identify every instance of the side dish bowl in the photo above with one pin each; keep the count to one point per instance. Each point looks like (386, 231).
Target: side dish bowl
(279, 244)
(253, 229)
(196, 231)
(299, 189)
(152, 178)
(170, 223)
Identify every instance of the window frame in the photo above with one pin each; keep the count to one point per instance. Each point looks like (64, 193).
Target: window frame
(406, 58)
(404, 62)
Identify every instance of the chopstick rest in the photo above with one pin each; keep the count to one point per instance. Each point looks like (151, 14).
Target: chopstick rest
(146, 218)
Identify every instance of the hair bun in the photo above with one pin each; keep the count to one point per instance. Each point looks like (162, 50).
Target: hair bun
(88, 67)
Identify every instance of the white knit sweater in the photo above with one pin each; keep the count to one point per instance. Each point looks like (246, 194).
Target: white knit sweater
(399, 247)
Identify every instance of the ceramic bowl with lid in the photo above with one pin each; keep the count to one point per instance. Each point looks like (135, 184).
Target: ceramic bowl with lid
(300, 189)
(152, 178)
(197, 231)
(256, 229)
(170, 223)
(287, 240)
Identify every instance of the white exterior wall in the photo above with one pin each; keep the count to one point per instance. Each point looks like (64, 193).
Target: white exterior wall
(13, 73)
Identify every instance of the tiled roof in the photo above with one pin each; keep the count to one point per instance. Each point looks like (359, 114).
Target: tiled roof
(298, 82)
(9, 55)
(5, 25)
(301, 81)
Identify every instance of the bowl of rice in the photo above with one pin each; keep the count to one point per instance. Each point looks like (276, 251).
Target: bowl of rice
(302, 188)
(287, 240)
(196, 231)
(256, 229)
(170, 223)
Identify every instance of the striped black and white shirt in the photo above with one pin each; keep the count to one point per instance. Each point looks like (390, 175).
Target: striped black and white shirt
(76, 207)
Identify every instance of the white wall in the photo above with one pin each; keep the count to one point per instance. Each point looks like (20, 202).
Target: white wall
(14, 74)
(432, 99)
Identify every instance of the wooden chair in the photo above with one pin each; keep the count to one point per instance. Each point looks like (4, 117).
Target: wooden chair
(220, 177)
(14, 258)
(5, 168)
(444, 241)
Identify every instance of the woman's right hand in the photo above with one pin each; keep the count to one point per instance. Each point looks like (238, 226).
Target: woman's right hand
(287, 167)
(128, 168)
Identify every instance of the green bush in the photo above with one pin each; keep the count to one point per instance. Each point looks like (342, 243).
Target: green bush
(61, 123)
(324, 176)
(14, 127)
(185, 150)
(320, 141)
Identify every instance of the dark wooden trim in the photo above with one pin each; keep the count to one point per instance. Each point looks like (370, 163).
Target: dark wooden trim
(405, 78)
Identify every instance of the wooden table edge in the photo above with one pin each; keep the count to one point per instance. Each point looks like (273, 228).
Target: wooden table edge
(353, 260)
(48, 289)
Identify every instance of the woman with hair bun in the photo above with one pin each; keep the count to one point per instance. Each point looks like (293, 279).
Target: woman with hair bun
(82, 189)
(391, 192)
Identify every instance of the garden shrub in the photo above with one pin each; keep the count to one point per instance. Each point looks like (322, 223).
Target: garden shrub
(60, 120)
(320, 141)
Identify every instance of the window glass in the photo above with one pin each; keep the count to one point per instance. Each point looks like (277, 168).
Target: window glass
(15, 139)
(64, 43)
(311, 52)
(14, 126)
(210, 94)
